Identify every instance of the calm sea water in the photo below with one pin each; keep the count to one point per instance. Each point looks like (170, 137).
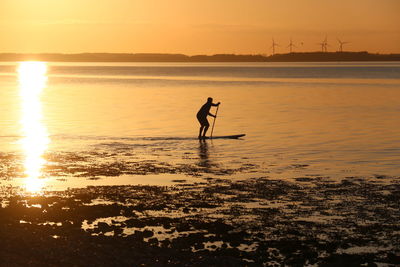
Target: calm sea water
(300, 119)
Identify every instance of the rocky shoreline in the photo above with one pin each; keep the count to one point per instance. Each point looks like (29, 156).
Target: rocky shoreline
(215, 222)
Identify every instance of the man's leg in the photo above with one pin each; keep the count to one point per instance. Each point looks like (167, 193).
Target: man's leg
(201, 130)
(205, 130)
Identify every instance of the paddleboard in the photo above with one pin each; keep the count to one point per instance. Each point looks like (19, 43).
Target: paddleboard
(226, 136)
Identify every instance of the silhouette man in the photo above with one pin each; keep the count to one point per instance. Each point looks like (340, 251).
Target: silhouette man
(202, 117)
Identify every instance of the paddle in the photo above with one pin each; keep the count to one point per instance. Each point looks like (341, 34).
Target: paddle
(212, 129)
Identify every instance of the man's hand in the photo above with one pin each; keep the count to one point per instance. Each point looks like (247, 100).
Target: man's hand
(218, 103)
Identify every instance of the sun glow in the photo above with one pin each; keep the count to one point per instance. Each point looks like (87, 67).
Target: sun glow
(32, 80)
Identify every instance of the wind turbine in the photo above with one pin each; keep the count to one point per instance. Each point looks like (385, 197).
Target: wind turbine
(324, 45)
(273, 46)
(291, 45)
(341, 44)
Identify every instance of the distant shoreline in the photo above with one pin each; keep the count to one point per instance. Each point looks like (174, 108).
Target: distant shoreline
(153, 57)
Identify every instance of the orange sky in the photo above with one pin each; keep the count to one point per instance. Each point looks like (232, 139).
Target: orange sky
(197, 27)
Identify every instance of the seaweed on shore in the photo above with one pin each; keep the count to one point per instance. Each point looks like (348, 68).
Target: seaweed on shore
(254, 222)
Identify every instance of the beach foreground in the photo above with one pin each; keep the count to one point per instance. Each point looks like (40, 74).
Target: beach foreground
(216, 222)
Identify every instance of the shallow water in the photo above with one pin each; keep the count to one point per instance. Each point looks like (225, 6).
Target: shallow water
(79, 124)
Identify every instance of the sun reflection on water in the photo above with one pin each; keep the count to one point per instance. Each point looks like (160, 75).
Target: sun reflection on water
(32, 80)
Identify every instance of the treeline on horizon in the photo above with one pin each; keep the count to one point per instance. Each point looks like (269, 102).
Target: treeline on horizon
(150, 57)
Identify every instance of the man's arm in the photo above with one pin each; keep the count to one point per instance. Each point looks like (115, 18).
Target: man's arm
(212, 104)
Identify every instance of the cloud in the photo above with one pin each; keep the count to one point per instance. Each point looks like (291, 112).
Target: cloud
(72, 22)
(262, 29)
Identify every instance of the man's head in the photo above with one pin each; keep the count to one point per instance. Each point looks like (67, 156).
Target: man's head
(209, 99)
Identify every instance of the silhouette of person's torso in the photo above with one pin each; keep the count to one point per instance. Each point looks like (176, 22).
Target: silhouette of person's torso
(204, 110)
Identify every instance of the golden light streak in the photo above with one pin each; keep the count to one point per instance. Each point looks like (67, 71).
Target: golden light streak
(32, 80)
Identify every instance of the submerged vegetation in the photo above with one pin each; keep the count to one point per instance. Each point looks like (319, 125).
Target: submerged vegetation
(215, 222)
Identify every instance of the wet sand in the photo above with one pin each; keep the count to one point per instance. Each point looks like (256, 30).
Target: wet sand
(214, 221)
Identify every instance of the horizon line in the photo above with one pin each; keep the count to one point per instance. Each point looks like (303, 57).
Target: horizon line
(197, 54)
(316, 56)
